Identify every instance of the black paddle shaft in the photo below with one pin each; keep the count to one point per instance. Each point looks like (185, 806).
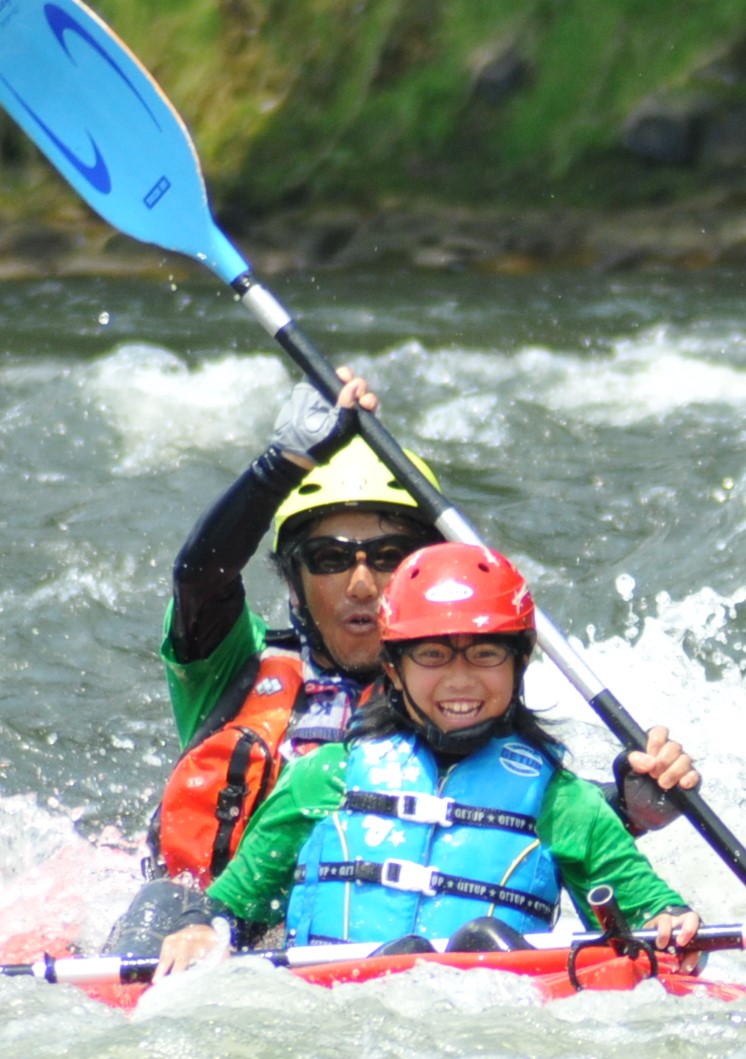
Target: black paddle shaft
(282, 327)
(690, 803)
(452, 524)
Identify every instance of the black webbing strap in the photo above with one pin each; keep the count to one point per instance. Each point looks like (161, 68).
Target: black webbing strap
(416, 878)
(231, 797)
(445, 811)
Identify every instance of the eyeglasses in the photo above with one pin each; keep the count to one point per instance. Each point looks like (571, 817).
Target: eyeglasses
(484, 654)
(334, 555)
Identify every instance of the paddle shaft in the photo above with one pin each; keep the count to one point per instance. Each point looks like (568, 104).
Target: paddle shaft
(124, 970)
(102, 121)
(275, 319)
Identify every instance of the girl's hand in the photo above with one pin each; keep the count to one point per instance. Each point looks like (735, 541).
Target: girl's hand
(184, 948)
(687, 924)
(665, 761)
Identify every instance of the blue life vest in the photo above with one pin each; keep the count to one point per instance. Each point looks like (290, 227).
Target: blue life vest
(414, 852)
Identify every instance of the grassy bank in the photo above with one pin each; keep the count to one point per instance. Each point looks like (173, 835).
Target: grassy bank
(470, 102)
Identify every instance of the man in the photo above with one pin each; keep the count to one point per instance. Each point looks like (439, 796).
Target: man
(245, 699)
(293, 690)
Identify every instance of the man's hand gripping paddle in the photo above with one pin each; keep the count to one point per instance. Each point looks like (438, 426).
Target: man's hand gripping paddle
(102, 121)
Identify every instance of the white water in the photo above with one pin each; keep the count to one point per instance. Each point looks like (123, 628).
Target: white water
(604, 453)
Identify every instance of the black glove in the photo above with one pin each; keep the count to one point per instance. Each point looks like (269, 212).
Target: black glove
(157, 910)
(644, 805)
(307, 425)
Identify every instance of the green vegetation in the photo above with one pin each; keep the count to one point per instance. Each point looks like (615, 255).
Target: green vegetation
(362, 102)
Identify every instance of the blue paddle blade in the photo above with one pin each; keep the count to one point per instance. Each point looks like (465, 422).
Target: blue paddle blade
(103, 122)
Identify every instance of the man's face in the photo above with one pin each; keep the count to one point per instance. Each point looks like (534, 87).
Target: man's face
(344, 605)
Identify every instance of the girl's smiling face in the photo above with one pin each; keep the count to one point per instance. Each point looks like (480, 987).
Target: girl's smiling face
(458, 694)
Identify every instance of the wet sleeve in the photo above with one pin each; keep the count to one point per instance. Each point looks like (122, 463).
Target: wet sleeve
(257, 882)
(196, 687)
(592, 847)
(208, 591)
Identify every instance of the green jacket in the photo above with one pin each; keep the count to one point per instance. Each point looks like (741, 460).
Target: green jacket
(587, 839)
(196, 687)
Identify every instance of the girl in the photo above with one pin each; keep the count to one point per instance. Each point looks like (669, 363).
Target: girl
(448, 802)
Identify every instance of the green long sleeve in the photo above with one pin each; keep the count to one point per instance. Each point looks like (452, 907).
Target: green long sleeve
(587, 839)
(257, 882)
(591, 847)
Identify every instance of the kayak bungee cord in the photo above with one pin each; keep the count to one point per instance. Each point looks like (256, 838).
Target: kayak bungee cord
(104, 123)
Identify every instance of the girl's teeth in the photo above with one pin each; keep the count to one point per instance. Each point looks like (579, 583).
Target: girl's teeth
(459, 707)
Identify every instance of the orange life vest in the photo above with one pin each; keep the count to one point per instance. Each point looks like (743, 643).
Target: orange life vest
(221, 778)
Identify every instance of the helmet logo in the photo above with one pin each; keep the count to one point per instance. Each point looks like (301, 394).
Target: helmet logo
(449, 591)
(519, 596)
(352, 485)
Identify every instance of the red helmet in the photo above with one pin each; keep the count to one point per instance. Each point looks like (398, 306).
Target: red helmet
(452, 588)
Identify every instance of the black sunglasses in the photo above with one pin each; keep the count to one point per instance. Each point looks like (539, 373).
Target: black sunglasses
(334, 555)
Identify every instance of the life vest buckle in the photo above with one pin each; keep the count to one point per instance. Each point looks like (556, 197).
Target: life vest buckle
(229, 804)
(408, 875)
(425, 809)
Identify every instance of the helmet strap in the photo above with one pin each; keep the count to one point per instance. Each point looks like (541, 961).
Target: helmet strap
(300, 616)
(458, 743)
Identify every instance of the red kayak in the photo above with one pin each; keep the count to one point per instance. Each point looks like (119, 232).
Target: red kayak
(595, 968)
(43, 925)
(556, 973)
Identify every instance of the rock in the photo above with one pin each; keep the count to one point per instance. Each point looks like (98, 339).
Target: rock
(499, 75)
(724, 140)
(696, 232)
(667, 131)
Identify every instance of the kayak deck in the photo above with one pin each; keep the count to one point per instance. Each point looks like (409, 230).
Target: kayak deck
(595, 968)
(555, 973)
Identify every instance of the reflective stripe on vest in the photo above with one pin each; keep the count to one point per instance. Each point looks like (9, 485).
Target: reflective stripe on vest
(412, 852)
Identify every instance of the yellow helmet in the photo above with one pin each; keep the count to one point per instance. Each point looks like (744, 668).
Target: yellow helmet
(353, 478)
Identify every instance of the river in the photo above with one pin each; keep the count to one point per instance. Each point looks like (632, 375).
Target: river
(592, 428)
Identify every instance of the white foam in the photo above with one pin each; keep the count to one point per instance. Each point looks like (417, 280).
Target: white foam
(55, 884)
(161, 408)
(650, 376)
(654, 374)
(655, 674)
